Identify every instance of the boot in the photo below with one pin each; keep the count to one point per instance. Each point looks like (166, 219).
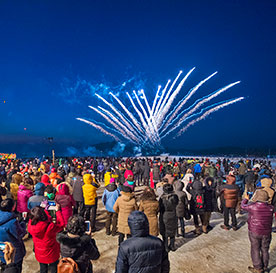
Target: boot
(254, 270)
(197, 230)
(172, 245)
(165, 239)
(204, 229)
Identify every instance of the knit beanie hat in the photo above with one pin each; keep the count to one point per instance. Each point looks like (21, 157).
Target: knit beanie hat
(260, 196)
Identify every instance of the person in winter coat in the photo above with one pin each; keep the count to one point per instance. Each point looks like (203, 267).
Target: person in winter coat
(260, 220)
(167, 218)
(14, 185)
(182, 206)
(124, 205)
(25, 191)
(266, 184)
(230, 194)
(54, 177)
(142, 252)
(35, 200)
(250, 179)
(197, 208)
(210, 200)
(90, 199)
(78, 193)
(145, 173)
(12, 231)
(150, 206)
(44, 231)
(110, 195)
(65, 200)
(75, 243)
(156, 174)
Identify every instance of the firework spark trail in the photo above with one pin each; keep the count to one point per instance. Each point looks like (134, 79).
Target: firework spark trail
(182, 102)
(155, 100)
(161, 98)
(141, 117)
(117, 112)
(123, 127)
(99, 128)
(134, 120)
(112, 123)
(172, 97)
(154, 121)
(198, 104)
(149, 126)
(168, 93)
(207, 114)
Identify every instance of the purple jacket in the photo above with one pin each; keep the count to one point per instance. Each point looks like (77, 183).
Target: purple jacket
(260, 217)
(23, 196)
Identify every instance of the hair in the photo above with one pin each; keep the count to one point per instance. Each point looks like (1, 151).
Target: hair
(76, 225)
(148, 194)
(7, 205)
(17, 179)
(37, 214)
(50, 189)
(189, 171)
(28, 181)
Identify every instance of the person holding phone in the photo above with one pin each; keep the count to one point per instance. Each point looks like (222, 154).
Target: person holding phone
(76, 243)
(12, 231)
(44, 231)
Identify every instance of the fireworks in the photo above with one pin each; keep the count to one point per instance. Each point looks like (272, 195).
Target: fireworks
(148, 125)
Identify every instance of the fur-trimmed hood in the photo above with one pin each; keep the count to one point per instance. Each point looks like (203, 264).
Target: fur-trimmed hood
(148, 196)
(62, 189)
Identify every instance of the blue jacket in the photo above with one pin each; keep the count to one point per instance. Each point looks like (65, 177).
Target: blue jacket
(110, 195)
(35, 200)
(197, 168)
(12, 231)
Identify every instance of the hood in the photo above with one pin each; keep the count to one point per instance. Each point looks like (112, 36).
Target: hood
(63, 188)
(87, 179)
(197, 185)
(213, 184)
(148, 196)
(178, 186)
(266, 182)
(168, 188)
(75, 242)
(39, 189)
(25, 187)
(111, 187)
(126, 196)
(230, 179)
(138, 223)
(39, 229)
(45, 179)
(5, 216)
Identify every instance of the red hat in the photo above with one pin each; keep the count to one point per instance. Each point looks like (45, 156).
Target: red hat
(45, 179)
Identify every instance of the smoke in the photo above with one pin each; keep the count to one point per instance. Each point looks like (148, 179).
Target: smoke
(117, 150)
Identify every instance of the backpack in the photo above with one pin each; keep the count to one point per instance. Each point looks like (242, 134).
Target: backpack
(199, 201)
(67, 265)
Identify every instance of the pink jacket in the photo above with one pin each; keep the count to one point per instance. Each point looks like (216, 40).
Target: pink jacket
(23, 195)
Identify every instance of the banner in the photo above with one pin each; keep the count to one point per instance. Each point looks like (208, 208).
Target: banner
(7, 156)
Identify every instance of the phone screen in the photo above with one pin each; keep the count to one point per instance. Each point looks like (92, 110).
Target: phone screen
(87, 225)
(52, 203)
(2, 246)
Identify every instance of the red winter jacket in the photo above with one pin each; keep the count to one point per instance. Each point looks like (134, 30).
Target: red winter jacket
(47, 249)
(260, 217)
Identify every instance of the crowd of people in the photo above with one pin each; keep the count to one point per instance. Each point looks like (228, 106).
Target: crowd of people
(54, 203)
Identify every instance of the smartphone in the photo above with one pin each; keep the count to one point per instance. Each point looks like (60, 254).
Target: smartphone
(87, 226)
(250, 194)
(2, 246)
(51, 203)
(24, 215)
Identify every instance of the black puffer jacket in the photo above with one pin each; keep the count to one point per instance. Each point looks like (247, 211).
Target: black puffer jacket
(183, 200)
(210, 197)
(167, 208)
(141, 253)
(195, 189)
(77, 188)
(81, 249)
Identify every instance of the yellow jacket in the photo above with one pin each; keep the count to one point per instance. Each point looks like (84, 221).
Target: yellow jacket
(89, 190)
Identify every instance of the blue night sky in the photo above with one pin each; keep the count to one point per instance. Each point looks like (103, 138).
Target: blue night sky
(56, 54)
